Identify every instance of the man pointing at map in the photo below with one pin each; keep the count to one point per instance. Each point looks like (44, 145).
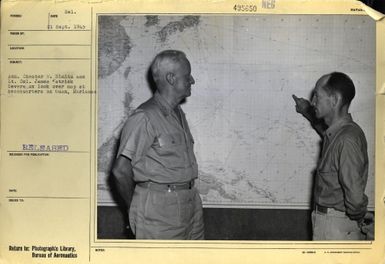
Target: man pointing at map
(155, 166)
(340, 204)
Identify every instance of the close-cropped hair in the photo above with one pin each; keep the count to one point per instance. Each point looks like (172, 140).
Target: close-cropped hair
(162, 61)
(342, 84)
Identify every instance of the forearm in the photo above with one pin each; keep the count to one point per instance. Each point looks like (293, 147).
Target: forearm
(318, 125)
(126, 187)
(124, 178)
(305, 108)
(356, 206)
(356, 202)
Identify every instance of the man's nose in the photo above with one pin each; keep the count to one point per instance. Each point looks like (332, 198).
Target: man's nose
(192, 81)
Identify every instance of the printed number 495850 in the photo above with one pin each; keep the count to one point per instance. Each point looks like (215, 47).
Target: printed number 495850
(245, 8)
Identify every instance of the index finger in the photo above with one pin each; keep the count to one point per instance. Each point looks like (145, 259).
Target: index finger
(295, 98)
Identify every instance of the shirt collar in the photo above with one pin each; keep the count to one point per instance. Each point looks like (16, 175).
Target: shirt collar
(333, 129)
(163, 105)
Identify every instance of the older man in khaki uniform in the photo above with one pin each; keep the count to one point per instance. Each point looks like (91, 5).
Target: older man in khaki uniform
(155, 166)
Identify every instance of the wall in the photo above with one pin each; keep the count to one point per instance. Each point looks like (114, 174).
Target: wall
(225, 224)
(252, 148)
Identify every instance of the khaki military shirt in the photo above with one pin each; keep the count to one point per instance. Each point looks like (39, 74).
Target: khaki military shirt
(159, 144)
(342, 171)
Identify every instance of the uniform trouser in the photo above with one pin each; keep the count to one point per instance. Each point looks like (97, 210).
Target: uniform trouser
(166, 215)
(335, 225)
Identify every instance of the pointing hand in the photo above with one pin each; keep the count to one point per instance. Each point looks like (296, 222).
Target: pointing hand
(302, 105)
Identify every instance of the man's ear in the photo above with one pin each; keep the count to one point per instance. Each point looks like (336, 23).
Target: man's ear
(170, 78)
(336, 99)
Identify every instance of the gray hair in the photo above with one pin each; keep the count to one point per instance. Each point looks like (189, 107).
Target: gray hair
(164, 62)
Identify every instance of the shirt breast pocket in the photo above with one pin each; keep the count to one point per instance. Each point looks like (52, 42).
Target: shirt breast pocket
(170, 140)
(327, 174)
(327, 180)
(171, 149)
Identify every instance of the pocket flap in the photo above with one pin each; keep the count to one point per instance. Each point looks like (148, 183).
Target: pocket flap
(170, 139)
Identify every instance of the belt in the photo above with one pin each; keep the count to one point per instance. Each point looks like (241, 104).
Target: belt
(321, 209)
(325, 210)
(169, 187)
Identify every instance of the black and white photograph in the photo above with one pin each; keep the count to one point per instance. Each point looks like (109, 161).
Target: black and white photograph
(235, 127)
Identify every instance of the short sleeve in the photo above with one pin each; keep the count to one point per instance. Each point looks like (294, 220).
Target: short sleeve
(137, 136)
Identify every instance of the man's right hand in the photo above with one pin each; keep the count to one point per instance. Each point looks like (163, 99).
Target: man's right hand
(302, 105)
(367, 225)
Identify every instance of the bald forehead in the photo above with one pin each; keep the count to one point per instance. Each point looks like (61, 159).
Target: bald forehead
(322, 81)
(168, 62)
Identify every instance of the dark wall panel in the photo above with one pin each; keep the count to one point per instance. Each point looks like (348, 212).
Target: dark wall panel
(225, 224)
